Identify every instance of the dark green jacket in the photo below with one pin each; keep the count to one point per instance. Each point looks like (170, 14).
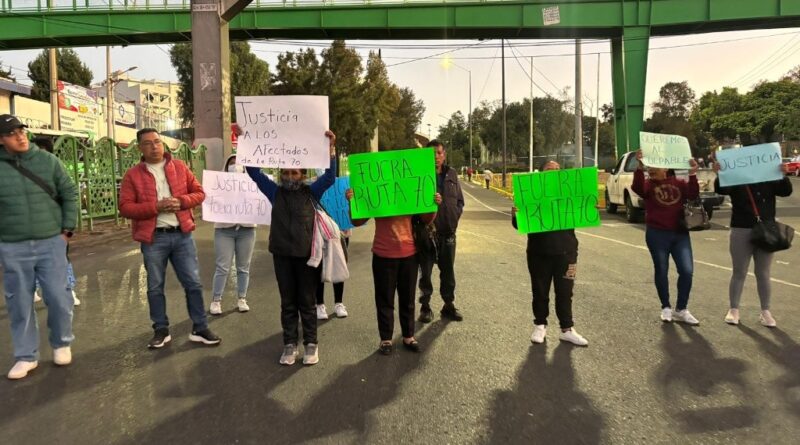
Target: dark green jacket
(26, 211)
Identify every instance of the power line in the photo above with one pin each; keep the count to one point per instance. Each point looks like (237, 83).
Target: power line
(514, 53)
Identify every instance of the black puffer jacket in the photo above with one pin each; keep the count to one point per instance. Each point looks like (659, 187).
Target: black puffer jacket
(292, 225)
(764, 194)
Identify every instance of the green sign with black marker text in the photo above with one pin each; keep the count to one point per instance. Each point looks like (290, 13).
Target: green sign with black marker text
(556, 200)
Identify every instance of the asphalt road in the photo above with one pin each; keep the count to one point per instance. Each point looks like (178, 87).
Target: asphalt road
(480, 381)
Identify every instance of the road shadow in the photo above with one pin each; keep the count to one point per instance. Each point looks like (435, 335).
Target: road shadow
(785, 352)
(692, 380)
(237, 406)
(546, 406)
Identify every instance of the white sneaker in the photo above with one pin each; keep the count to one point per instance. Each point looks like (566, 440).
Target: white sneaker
(666, 315)
(573, 337)
(732, 317)
(289, 354)
(539, 332)
(340, 310)
(36, 298)
(21, 369)
(322, 312)
(216, 308)
(311, 355)
(685, 316)
(242, 305)
(62, 356)
(75, 300)
(766, 319)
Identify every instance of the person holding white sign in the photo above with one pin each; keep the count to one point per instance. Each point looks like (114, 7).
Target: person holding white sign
(293, 214)
(664, 196)
(232, 240)
(743, 218)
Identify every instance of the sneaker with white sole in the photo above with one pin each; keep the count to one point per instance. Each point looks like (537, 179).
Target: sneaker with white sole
(75, 300)
(242, 305)
(215, 308)
(573, 337)
(322, 312)
(289, 354)
(160, 339)
(205, 337)
(766, 319)
(666, 315)
(732, 317)
(62, 356)
(685, 316)
(36, 298)
(21, 369)
(311, 355)
(340, 310)
(539, 332)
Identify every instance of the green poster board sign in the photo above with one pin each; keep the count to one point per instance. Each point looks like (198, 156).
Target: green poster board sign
(556, 200)
(391, 183)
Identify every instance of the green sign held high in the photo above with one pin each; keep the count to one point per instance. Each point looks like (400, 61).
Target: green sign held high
(556, 200)
(391, 183)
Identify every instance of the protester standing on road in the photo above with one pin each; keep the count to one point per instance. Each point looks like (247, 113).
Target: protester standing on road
(38, 212)
(487, 178)
(552, 259)
(293, 213)
(232, 241)
(394, 270)
(158, 194)
(743, 218)
(338, 288)
(664, 197)
(451, 205)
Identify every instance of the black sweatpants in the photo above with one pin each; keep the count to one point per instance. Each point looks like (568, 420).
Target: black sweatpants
(394, 275)
(297, 284)
(560, 271)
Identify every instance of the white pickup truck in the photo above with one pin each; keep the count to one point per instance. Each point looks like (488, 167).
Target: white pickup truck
(618, 189)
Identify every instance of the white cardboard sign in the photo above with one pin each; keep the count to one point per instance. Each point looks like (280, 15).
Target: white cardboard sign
(283, 131)
(235, 199)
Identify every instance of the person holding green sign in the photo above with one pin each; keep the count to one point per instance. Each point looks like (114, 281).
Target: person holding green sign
(552, 259)
(664, 197)
(293, 215)
(394, 269)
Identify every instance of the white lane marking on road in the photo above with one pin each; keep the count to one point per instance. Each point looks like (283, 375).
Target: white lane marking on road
(783, 262)
(635, 246)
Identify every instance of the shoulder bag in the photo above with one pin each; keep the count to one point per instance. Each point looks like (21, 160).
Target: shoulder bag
(771, 236)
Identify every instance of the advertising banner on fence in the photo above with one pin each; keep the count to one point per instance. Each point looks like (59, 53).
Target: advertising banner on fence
(391, 183)
(81, 106)
(665, 150)
(234, 198)
(283, 131)
(749, 165)
(556, 200)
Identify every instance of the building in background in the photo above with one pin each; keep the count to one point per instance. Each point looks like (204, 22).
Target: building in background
(145, 103)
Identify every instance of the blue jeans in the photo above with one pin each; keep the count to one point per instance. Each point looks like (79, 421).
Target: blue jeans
(180, 250)
(24, 262)
(662, 244)
(230, 241)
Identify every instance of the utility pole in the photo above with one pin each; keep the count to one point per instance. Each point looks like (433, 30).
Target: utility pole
(578, 110)
(469, 117)
(109, 97)
(530, 143)
(597, 118)
(55, 124)
(503, 65)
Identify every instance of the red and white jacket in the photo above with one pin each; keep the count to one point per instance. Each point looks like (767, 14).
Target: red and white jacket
(138, 197)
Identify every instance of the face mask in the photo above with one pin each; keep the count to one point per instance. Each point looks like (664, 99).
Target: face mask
(290, 184)
(232, 168)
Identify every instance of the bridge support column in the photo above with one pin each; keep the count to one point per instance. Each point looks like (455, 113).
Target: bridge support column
(211, 75)
(629, 76)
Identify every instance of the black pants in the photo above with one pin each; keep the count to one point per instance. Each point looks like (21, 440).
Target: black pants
(297, 283)
(338, 288)
(559, 270)
(446, 245)
(390, 275)
(487, 181)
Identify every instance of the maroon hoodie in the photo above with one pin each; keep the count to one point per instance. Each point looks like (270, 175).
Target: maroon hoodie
(663, 200)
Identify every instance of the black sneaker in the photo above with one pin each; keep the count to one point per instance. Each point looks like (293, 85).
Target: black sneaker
(205, 337)
(450, 312)
(425, 314)
(160, 339)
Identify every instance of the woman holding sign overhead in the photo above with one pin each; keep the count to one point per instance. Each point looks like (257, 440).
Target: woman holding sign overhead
(743, 218)
(664, 196)
(293, 214)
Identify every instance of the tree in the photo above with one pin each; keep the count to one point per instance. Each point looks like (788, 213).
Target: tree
(455, 136)
(297, 73)
(6, 73)
(70, 69)
(676, 99)
(340, 79)
(405, 119)
(381, 98)
(249, 77)
(793, 75)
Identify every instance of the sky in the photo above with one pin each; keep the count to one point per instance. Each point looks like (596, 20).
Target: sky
(707, 61)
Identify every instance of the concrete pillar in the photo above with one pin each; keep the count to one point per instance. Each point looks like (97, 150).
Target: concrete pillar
(211, 74)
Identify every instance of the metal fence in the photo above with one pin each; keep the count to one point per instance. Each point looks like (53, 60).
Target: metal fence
(97, 169)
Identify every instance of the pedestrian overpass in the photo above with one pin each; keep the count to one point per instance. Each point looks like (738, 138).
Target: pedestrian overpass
(27, 24)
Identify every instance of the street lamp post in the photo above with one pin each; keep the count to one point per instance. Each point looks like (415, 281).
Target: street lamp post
(110, 80)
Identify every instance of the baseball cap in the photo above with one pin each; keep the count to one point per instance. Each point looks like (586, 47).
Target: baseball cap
(8, 123)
